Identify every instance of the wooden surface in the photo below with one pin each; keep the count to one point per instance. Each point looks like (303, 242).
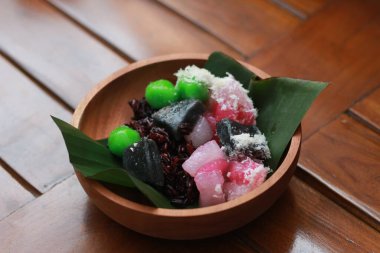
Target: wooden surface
(308, 222)
(353, 168)
(140, 29)
(12, 194)
(340, 50)
(367, 110)
(52, 52)
(306, 7)
(242, 18)
(303, 220)
(30, 142)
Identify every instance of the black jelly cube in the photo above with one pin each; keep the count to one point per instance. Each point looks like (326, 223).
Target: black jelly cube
(179, 115)
(143, 161)
(227, 128)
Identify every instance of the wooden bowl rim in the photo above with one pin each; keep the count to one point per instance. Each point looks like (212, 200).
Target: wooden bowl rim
(104, 192)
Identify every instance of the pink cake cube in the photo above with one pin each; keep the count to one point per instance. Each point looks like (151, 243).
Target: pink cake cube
(201, 133)
(243, 177)
(206, 153)
(209, 180)
(231, 101)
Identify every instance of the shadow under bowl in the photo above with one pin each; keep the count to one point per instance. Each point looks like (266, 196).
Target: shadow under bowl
(106, 107)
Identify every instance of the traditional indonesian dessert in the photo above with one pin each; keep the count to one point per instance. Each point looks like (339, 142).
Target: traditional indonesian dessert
(196, 141)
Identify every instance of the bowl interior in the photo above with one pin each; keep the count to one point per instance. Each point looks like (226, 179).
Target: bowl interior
(106, 107)
(109, 107)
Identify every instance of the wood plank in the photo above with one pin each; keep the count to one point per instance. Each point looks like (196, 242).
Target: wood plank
(368, 110)
(141, 28)
(12, 194)
(30, 143)
(344, 155)
(301, 221)
(306, 6)
(53, 49)
(338, 44)
(247, 25)
(81, 227)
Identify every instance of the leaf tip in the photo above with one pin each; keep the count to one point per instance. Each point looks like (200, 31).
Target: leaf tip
(56, 120)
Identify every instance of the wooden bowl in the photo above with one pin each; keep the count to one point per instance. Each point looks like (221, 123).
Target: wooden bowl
(106, 107)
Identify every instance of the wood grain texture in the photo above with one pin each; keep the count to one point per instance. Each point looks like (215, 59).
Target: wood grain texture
(247, 25)
(141, 28)
(63, 220)
(30, 143)
(368, 110)
(337, 44)
(12, 194)
(53, 50)
(344, 155)
(306, 6)
(303, 220)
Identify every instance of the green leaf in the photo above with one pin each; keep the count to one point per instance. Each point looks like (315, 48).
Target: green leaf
(87, 155)
(282, 103)
(114, 176)
(104, 142)
(152, 194)
(93, 160)
(220, 64)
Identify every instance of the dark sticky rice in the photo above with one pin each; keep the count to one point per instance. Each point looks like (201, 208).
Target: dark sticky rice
(179, 186)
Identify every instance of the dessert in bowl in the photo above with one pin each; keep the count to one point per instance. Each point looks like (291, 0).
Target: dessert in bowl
(106, 107)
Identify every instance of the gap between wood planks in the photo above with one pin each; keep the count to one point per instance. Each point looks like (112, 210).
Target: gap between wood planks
(279, 3)
(121, 53)
(118, 51)
(14, 174)
(353, 114)
(275, 41)
(204, 28)
(37, 82)
(27, 186)
(364, 122)
(288, 7)
(350, 113)
(334, 194)
(245, 57)
(91, 33)
(328, 192)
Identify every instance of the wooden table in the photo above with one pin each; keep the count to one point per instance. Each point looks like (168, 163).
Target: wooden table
(52, 52)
